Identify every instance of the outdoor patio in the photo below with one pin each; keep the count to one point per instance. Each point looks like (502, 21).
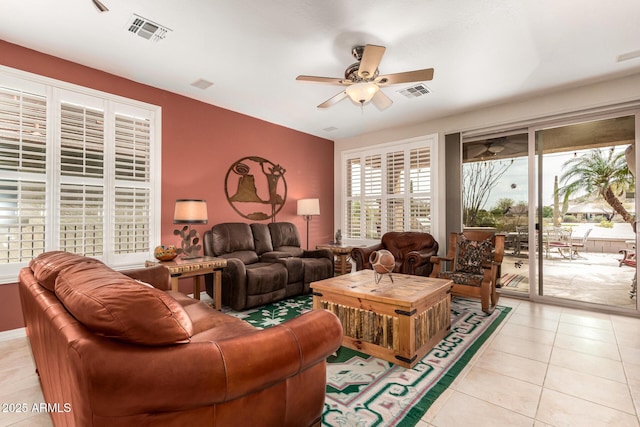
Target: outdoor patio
(594, 276)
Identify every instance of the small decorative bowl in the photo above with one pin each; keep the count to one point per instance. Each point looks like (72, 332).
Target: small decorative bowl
(165, 253)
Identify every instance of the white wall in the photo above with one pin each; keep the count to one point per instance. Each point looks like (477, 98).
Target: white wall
(536, 108)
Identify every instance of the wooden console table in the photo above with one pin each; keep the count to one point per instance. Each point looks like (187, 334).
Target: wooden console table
(180, 268)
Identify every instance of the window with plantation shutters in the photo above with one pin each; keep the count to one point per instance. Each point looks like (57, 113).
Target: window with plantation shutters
(387, 188)
(79, 172)
(23, 153)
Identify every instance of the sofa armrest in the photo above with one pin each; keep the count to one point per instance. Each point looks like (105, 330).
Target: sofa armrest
(157, 276)
(318, 253)
(274, 255)
(292, 347)
(417, 259)
(138, 379)
(361, 256)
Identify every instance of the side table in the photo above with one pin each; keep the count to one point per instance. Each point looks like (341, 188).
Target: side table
(342, 253)
(180, 268)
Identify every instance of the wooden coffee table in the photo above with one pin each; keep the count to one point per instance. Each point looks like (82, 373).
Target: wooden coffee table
(398, 322)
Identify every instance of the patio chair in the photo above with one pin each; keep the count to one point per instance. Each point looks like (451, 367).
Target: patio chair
(474, 258)
(560, 239)
(581, 243)
(522, 239)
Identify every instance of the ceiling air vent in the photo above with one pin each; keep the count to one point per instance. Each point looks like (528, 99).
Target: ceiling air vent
(415, 91)
(147, 29)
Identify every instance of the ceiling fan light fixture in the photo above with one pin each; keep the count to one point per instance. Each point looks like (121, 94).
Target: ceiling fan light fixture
(362, 92)
(495, 148)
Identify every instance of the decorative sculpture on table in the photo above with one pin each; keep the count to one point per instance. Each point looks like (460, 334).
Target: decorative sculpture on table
(189, 211)
(382, 262)
(165, 253)
(253, 192)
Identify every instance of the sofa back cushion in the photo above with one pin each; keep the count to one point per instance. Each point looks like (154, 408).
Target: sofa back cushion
(285, 238)
(48, 265)
(261, 238)
(232, 237)
(400, 243)
(116, 306)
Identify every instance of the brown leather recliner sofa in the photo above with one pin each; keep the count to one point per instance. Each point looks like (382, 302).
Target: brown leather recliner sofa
(265, 263)
(412, 251)
(120, 349)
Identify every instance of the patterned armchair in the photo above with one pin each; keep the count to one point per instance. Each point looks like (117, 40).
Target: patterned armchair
(474, 258)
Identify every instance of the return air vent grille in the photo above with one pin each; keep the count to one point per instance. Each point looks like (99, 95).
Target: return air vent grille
(147, 29)
(415, 91)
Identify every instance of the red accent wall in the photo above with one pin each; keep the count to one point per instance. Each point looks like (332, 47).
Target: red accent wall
(199, 144)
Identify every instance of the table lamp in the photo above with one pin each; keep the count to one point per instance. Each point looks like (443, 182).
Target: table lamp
(308, 208)
(189, 211)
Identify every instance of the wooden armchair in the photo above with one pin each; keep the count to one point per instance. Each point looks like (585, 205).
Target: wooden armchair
(474, 260)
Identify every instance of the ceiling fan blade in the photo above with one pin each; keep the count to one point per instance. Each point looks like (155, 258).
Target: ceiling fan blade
(334, 100)
(371, 58)
(381, 101)
(406, 77)
(329, 80)
(101, 7)
(476, 150)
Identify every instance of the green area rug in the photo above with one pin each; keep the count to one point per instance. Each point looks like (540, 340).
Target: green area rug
(366, 391)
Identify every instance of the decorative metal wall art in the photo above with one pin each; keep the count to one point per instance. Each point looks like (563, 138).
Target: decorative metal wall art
(253, 182)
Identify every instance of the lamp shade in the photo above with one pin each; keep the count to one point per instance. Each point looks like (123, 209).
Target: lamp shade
(308, 207)
(362, 92)
(190, 211)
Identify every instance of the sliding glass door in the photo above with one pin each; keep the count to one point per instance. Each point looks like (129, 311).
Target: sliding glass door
(564, 197)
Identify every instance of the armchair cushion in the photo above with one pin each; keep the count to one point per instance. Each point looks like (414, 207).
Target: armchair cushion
(468, 279)
(471, 255)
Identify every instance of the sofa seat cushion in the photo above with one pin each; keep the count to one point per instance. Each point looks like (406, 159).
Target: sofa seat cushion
(204, 317)
(265, 277)
(291, 250)
(48, 265)
(116, 306)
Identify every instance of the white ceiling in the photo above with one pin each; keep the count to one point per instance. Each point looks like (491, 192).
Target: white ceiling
(483, 51)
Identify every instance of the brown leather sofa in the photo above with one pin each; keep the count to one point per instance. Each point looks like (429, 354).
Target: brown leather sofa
(115, 349)
(412, 251)
(265, 263)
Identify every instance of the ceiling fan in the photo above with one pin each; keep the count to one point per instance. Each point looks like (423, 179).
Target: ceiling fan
(363, 81)
(501, 146)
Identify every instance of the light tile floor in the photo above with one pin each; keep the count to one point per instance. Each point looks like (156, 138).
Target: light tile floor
(544, 366)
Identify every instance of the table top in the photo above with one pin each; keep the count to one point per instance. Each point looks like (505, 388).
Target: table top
(405, 290)
(182, 265)
(335, 248)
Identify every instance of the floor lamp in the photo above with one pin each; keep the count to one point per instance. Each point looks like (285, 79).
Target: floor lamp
(308, 208)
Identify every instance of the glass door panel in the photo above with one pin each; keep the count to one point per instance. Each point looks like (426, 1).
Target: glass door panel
(495, 198)
(585, 212)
